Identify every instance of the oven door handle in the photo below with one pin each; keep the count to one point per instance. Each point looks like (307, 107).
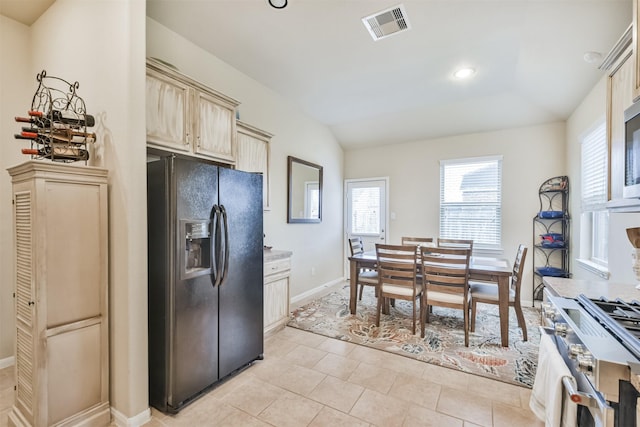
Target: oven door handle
(579, 397)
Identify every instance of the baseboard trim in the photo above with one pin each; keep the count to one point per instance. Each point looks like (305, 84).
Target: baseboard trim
(121, 420)
(7, 361)
(317, 292)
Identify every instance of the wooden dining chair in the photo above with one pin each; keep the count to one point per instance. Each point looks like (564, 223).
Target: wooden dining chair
(488, 292)
(366, 276)
(445, 282)
(455, 243)
(397, 266)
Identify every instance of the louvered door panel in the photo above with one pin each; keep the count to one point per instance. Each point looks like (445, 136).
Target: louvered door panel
(24, 289)
(24, 302)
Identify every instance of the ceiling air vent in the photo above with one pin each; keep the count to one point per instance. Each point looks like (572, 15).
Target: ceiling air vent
(387, 22)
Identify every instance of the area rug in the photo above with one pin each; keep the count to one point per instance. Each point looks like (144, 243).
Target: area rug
(443, 343)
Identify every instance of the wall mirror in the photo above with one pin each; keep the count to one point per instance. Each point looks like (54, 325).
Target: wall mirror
(305, 191)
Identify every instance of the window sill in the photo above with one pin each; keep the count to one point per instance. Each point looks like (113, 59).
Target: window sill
(594, 268)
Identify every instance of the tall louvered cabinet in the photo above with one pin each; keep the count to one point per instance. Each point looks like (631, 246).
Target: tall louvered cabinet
(61, 295)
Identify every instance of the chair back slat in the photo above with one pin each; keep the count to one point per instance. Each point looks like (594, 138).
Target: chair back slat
(355, 245)
(455, 243)
(417, 241)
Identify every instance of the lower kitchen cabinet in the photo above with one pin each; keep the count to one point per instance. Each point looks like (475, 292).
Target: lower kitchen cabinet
(277, 269)
(61, 295)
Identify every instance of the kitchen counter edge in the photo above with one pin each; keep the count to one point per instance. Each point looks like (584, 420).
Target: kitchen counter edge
(571, 288)
(274, 255)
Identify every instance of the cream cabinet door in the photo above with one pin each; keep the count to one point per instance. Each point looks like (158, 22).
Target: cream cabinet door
(167, 112)
(253, 154)
(620, 97)
(276, 294)
(636, 49)
(215, 128)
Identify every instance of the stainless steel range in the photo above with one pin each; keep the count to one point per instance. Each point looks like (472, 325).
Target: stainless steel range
(599, 342)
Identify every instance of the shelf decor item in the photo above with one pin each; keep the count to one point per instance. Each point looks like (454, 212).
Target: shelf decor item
(57, 122)
(551, 233)
(633, 234)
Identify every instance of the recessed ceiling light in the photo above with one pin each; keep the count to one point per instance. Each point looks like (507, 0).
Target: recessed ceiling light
(278, 4)
(464, 73)
(592, 57)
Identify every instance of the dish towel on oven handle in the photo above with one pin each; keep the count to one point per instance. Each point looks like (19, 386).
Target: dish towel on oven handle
(547, 396)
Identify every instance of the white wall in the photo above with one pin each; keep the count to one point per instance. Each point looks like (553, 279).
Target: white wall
(530, 156)
(100, 44)
(589, 112)
(295, 134)
(16, 90)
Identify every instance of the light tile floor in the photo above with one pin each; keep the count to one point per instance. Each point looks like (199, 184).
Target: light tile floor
(310, 380)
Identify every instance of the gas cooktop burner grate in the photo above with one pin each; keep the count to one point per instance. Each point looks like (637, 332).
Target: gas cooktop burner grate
(622, 319)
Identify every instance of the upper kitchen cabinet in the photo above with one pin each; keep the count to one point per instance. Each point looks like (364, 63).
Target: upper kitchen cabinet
(215, 124)
(253, 154)
(636, 49)
(167, 112)
(184, 115)
(620, 86)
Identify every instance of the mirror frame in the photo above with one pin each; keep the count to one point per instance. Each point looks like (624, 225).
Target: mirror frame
(290, 217)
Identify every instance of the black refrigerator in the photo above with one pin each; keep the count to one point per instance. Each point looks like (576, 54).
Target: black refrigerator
(205, 243)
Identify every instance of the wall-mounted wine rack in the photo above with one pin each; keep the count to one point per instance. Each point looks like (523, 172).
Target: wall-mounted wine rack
(58, 122)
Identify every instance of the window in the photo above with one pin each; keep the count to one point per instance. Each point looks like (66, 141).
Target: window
(365, 210)
(594, 229)
(471, 201)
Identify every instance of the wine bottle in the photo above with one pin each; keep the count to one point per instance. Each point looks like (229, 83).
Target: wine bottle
(58, 153)
(75, 120)
(59, 131)
(64, 135)
(45, 123)
(55, 116)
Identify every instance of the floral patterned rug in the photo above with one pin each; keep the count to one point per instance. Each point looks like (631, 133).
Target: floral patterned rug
(443, 343)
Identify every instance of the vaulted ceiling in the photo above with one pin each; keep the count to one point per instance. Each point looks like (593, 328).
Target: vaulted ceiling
(528, 56)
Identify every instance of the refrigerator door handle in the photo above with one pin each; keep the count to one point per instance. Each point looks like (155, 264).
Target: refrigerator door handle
(216, 274)
(225, 269)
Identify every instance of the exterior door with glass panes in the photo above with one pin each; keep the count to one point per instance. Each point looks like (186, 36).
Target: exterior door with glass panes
(365, 213)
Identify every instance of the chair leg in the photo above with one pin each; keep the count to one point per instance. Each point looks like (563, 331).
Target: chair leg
(520, 316)
(414, 318)
(378, 311)
(361, 289)
(473, 316)
(421, 317)
(466, 326)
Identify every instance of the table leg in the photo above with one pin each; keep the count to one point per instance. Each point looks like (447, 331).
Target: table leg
(353, 286)
(503, 304)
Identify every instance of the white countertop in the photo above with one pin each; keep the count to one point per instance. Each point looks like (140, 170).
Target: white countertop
(274, 254)
(571, 288)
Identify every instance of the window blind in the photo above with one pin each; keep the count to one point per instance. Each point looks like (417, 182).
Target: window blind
(471, 200)
(594, 169)
(365, 211)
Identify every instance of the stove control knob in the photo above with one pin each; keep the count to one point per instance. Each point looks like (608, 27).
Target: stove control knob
(576, 350)
(586, 362)
(549, 312)
(560, 329)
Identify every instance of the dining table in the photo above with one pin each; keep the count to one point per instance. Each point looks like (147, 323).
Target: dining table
(485, 269)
